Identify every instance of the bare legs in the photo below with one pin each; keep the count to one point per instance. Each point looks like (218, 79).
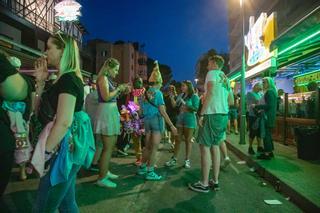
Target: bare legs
(137, 146)
(205, 164)
(108, 145)
(150, 149)
(188, 133)
(97, 154)
(235, 124)
(224, 150)
(23, 175)
(215, 154)
(208, 156)
(178, 142)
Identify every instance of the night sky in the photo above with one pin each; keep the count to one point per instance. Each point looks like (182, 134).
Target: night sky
(175, 32)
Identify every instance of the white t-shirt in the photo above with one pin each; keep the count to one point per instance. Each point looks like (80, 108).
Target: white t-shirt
(220, 90)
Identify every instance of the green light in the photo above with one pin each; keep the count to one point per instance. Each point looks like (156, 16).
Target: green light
(308, 73)
(306, 84)
(299, 42)
(235, 76)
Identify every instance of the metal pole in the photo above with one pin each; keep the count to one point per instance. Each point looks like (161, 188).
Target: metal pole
(243, 83)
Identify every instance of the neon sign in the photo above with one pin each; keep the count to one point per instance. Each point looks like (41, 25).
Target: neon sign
(67, 10)
(258, 40)
(307, 78)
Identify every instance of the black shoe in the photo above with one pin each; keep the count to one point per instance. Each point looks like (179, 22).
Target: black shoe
(264, 157)
(198, 187)
(260, 149)
(271, 155)
(250, 151)
(214, 186)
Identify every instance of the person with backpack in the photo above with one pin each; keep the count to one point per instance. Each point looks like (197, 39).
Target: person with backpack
(153, 113)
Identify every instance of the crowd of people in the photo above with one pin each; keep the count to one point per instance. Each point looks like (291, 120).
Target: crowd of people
(54, 128)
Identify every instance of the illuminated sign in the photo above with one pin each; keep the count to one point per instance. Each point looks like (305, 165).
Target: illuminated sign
(67, 10)
(304, 79)
(261, 34)
(269, 64)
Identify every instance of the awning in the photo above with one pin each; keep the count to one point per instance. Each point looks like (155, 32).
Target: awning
(300, 41)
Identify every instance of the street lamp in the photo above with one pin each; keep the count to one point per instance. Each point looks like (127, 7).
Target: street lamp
(196, 80)
(243, 82)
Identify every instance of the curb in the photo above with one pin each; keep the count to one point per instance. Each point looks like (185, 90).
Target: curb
(297, 198)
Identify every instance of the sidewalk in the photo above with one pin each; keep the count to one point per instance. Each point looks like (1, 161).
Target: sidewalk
(293, 177)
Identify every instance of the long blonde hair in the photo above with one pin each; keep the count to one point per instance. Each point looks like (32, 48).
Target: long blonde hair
(110, 63)
(70, 59)
(271, 85)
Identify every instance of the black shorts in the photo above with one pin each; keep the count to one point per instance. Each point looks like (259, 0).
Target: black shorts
(253, 132)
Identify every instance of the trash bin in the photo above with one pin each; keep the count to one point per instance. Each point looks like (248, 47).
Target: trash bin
(308, 144)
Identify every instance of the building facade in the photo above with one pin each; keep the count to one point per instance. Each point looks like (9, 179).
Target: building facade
(132, 61)
(25, 26)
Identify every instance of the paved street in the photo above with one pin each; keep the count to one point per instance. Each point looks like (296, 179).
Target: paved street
(241, 190)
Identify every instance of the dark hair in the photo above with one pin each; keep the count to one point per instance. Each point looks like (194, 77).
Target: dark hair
(218, 60)
(137, 79)
(190, 88)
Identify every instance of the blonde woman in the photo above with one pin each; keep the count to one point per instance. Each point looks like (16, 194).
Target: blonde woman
(67, 136)
(107, 123)
(270, 110)
(154, 112)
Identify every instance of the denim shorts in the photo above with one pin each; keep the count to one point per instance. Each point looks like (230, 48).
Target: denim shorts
(154, 124)
(233, 114)
(187, 120)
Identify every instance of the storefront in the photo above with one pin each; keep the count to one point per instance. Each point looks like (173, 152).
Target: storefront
(293, 59)
(298, 67)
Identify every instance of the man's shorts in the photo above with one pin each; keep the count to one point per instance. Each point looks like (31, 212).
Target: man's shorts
(154, 124)
(212, 133)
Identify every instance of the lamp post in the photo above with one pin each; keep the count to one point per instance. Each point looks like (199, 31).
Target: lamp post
(196, 81)
(243, 82)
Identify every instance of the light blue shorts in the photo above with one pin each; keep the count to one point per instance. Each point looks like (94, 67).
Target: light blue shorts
(154, 124)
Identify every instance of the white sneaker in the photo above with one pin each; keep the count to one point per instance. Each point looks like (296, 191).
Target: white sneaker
(112, 176)
(171, 162)
(187, 164)
(226, 163)
(105, 182)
